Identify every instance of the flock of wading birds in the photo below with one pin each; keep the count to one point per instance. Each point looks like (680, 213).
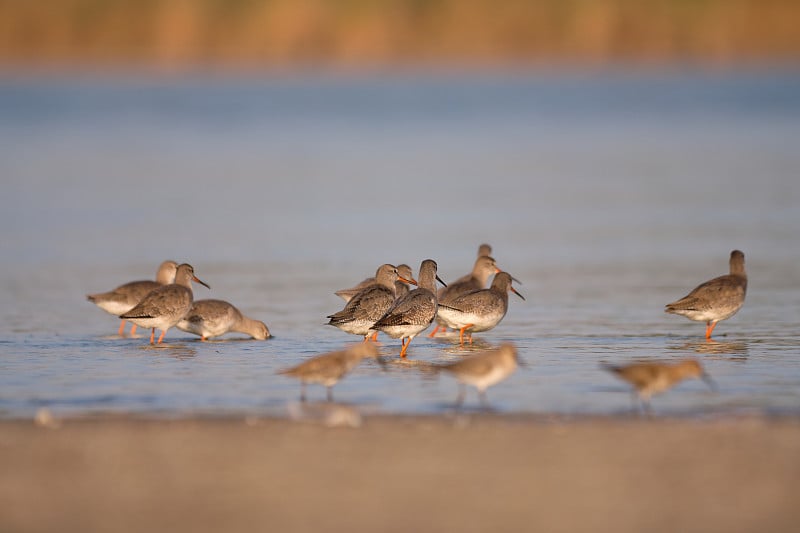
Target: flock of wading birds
(387, 304)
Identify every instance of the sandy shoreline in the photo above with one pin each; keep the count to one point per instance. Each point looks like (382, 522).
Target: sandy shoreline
(438, 473)
(201, 33)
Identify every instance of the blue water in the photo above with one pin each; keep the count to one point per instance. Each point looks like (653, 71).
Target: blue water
(607, 193)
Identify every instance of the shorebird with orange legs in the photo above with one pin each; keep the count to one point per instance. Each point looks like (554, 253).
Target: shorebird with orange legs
(164, 307)
(716, 299)
(369, 304)
(125, 297)
(412, 314)
(482, 270)
(479, 310)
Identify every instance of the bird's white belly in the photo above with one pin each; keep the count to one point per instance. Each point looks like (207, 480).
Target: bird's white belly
(356, 327)
(161, 323)
(708, 315)
(115, 308)
(411, 330)
(480, 322)
(204, 328)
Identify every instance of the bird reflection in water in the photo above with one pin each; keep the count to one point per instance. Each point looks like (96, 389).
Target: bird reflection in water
(714, 347)
(177, 351)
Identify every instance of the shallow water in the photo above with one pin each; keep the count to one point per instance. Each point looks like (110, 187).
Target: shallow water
(608, 194)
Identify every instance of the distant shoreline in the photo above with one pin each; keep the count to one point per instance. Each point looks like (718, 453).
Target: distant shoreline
(246, 34)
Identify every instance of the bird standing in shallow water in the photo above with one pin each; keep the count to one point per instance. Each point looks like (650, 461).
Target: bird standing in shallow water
(650, 378)
(369, 304)
(125, 297)
(482, 270)
(717, 299)
(327, 369)
(479, 310)
(213, 318)
(414, 312)
(483, 370)
(165, 306)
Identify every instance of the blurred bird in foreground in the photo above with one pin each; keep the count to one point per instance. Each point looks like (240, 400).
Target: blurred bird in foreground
(483, 370)
(651, 378)
(327, 369)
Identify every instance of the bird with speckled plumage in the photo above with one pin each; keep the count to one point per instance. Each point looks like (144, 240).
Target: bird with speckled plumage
(413, 313)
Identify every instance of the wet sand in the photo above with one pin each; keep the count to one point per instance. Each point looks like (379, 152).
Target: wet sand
(251, 35)
(471, 473)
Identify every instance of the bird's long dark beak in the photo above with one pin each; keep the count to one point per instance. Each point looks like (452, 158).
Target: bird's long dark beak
(517, 293)
(201, 282)
(710, 382)
(440, 280)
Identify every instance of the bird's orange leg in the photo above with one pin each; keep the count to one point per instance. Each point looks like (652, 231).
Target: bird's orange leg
(202, 338)
(161, 337)
(433, 333)
(405, 346)
(709, 328)
(153, 336)
(121, 328)
(375, 337)
(133, 330)
(461, 334)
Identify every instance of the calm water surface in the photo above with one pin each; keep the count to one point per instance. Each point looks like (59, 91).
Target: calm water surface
(608, 194)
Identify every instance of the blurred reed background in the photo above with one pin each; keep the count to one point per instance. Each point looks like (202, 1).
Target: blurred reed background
(179, 34)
